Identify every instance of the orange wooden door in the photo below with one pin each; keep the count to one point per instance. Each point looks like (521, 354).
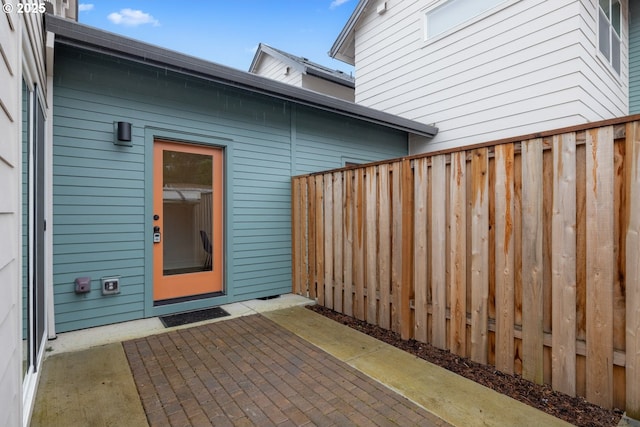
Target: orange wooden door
(187, 220)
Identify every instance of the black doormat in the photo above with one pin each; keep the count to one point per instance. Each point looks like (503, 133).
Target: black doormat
(192, 317)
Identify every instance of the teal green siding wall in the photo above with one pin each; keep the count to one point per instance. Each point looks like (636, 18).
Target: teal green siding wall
(102, 191)
(634, 57)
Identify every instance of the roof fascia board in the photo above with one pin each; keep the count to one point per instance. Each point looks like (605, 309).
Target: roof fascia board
(347, 32)
(264, 49)
(284, 58)
(85, 37)
(256, 59)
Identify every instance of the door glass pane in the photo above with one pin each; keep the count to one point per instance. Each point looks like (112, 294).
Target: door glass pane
(187, 209)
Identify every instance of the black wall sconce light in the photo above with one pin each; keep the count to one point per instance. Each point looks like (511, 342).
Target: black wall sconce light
(123, 134)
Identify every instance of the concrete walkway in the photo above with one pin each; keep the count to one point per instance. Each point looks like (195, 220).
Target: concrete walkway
(88, 383)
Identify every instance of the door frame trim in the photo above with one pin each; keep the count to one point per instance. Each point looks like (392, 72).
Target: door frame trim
(187, 286)
(175, 135)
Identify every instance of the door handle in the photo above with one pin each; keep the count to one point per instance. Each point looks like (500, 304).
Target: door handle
(156, 234)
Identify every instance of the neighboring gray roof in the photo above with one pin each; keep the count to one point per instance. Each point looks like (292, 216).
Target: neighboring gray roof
(303, 65)
(74, 34)
(343, 48)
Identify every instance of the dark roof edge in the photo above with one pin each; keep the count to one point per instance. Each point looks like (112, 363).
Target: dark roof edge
(330, 77)
(79, 35)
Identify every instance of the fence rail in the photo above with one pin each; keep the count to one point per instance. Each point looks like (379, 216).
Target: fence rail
(522, 254)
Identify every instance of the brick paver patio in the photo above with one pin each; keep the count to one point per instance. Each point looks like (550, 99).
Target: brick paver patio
(250, 371)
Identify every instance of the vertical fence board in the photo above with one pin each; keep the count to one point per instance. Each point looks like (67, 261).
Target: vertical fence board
(581, 265)
(328, 240)
(532, 297)
(504, 258)
(384, 245)
(347, 196)
(303, 236)
(491, 271)
(547, 215)
(600, 264)
(338, 209)
(438, 251)
(620, 224)
(311, 182)
(479, 255)
(517, 255)
(407, 250)
(358, 245)
(396, 246)
(621, 221)
(319, 213)
(632, 244)
(296, 226)
(420, 270)
(458, 255)
(371, 247)
(563, 278)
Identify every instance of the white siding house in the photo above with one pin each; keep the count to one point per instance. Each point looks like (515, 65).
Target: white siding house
(295, 70)
(518, 67)
(10, 307)
(25, 255)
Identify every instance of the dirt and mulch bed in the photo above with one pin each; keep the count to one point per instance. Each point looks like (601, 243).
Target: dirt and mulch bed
(575, 410)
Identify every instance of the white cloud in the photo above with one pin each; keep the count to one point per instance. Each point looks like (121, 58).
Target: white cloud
(337, 3)
(132, 18)
(85, 7)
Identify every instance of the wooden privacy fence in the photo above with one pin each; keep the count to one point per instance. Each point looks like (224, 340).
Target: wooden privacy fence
(520, 254)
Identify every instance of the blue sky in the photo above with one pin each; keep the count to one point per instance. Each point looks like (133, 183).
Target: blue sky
(227, 31)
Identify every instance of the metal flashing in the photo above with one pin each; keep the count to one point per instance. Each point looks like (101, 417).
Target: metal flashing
(82, 36)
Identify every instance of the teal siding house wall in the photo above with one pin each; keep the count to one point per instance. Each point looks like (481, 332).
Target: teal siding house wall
(102, 192)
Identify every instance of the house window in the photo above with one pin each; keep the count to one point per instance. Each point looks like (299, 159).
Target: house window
(452, 13)
(609, 18)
